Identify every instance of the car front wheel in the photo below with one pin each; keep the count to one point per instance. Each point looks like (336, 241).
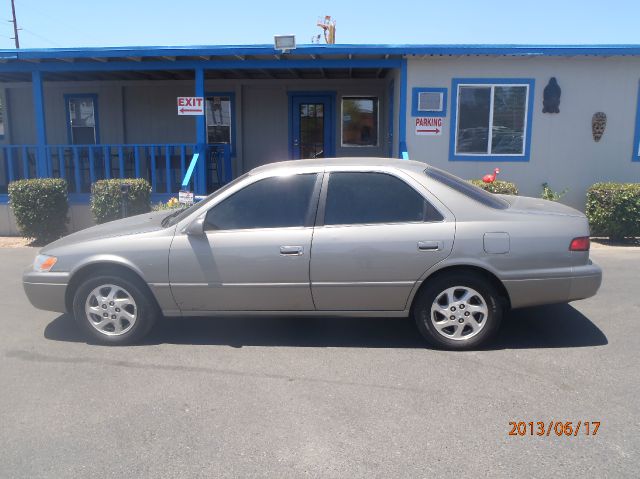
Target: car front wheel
(113, 310)
(458, 311)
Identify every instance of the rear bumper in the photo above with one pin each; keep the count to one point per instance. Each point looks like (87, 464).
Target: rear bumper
(580, 282)
(585, 282)
(46, 290)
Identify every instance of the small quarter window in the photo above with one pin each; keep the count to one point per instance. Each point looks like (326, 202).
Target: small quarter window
(277, 202)
(368, 197)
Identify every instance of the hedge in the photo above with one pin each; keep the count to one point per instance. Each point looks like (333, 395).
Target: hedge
(498, 186)
(106, 198)
(613, 210)
(40, 207)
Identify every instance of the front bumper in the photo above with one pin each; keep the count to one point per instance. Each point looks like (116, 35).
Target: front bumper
(46, 290)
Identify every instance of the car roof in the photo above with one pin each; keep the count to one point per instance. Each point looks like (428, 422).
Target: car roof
(329, 163)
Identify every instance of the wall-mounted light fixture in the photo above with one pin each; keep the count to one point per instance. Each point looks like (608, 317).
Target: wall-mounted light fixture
(284, 42)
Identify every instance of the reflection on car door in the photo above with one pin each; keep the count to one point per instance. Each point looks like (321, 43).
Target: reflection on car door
(255, 253)
(377, 238)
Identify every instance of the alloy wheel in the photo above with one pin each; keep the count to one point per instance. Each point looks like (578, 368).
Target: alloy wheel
(459, 313)
(111, 310)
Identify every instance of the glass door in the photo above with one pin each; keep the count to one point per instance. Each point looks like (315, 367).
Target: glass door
(312, 126)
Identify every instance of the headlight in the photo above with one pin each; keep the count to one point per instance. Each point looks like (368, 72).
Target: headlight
(44, 263)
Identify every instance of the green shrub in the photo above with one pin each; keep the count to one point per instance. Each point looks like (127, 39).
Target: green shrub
(106, 198)
(613, 210)
(40, 207)
(499, 186)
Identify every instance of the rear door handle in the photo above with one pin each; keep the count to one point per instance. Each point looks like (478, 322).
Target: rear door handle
(291, 250)
(430, 245)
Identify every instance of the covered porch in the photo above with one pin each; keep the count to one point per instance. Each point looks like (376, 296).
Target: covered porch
(262, 106)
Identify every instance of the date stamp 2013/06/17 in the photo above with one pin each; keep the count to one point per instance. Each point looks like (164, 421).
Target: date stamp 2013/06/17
(557, 428)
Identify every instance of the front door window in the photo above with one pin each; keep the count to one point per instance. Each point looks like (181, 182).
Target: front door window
(312, 130)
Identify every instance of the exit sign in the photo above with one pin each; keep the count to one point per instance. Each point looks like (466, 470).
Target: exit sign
(190, 105)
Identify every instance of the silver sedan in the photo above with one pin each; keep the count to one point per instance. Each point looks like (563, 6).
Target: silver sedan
(345, 237)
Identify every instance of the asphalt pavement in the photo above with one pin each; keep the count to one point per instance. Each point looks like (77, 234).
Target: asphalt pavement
(335, 398)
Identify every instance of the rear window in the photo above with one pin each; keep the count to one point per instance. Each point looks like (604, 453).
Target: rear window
(466, 188)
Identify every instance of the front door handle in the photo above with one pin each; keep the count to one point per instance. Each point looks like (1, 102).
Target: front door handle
(430, 245)
(291, 250)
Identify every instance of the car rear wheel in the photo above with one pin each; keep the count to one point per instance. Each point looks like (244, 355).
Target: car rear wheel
(113, 310)
(458, 311)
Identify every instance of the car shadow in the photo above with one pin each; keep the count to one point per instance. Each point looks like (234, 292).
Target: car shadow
(555, 326)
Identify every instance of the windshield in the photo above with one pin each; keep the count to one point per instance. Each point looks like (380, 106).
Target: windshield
(466, 188)
(180, 214)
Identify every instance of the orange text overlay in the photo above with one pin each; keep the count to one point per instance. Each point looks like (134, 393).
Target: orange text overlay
(554, 428)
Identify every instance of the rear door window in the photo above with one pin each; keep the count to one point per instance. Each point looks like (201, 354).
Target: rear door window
(370, 198)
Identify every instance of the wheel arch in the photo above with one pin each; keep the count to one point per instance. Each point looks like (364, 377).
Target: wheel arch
(105, 267)
(457, 268)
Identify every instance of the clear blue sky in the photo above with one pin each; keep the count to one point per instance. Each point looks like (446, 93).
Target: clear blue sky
(79, 23)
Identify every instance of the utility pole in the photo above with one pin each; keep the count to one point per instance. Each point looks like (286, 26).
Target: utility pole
(15, 24)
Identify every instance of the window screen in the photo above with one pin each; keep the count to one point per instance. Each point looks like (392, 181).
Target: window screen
(365, 198)
(278, 202)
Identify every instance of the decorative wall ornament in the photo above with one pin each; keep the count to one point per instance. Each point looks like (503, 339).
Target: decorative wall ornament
(598, 125)
(551, 97)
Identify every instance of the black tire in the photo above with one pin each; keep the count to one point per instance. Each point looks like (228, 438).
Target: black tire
(434, 288)
(145, 308)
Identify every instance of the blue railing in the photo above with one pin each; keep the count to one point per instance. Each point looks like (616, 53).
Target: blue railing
(163, 165)
(16, 162)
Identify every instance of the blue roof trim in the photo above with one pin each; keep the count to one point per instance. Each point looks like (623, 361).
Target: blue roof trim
(226, 50)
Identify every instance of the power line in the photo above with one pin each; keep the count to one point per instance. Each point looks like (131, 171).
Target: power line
(41, 37)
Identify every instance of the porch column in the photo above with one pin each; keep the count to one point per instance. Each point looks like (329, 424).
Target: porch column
(402, 119)
(42, 168)
(201, 139)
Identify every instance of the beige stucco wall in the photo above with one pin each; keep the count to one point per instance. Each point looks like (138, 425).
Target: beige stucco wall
(563, 152)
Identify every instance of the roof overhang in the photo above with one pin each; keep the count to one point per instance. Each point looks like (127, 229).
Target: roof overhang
(258, 61)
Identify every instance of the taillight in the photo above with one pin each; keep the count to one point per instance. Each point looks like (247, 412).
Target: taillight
(580, 244)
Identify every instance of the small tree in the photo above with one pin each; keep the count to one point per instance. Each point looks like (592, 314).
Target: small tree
(549, 194)
(40, 207)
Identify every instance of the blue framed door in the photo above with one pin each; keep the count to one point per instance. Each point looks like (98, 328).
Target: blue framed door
(311, 120)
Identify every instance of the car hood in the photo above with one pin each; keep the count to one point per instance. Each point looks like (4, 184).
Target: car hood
(526, 204)
(143, 223)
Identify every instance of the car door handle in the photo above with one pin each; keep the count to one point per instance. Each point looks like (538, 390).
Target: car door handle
(430, 245)
(291, 250)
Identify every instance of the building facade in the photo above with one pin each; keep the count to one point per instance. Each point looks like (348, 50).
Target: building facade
(88, 114)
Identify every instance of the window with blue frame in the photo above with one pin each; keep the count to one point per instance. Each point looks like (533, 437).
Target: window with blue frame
(82, 119)
(491, 119)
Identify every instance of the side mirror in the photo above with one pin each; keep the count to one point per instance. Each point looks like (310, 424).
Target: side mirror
(195, 228)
